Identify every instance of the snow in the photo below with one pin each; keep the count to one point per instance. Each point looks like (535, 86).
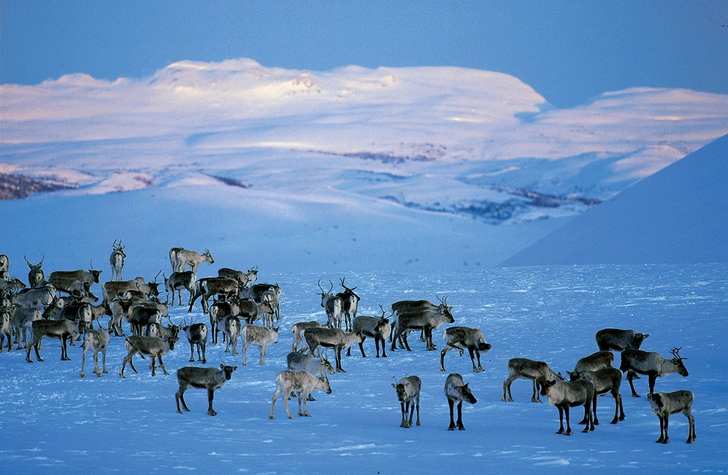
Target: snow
(677, 215)
(55, 421)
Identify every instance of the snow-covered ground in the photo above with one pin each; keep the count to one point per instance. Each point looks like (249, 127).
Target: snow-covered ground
(55, 422)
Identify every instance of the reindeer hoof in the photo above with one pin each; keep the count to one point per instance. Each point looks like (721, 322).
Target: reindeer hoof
(83, 375)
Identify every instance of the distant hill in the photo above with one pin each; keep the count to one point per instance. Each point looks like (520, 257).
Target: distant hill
(677, 215)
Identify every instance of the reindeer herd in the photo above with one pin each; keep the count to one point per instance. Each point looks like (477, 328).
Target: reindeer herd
(63, 307)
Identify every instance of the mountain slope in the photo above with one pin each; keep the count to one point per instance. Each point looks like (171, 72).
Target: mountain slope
(678, 215)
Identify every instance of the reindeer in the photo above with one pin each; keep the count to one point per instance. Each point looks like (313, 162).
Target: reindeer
(77, 282)
(145, 290)
(298, 328)
(251, 310)
(203, 378)
(456, 392)
(5, 328)
(177, 282)
(213, 286)
(595, 361)
(300, 382)
(180, 258)
(262, 292)
(536, 371)
(95, 341)
(652, 364)
(152, 346)
(331, 338)
(350, 305)
(64, 330)
(260, 337)
(116, 259)
(420, 315)
(333, 305)
(664, 404)
(231, 333)
(377, 328)
(605, 380)
(299, 361)
(460, 338)
(36, 276)
(616, 339)
(21, 321)
(242, 277)
(142, 317)
(197, 337)
(567, 394)
(4, 266)
(408, 394)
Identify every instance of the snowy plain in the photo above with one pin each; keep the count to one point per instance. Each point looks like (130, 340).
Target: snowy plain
(362, 174)
(54, 422)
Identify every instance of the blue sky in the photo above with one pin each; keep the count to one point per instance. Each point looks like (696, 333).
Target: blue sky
(568, 51)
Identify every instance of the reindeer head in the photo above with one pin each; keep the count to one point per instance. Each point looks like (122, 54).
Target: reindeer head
(209, 256)
(228, 370)
(677, 360)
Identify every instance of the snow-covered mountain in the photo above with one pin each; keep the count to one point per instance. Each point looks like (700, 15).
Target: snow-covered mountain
(677, 215)
(493, 141)
(431, 151)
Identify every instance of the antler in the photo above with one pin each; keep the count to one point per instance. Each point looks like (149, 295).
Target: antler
(676, 353)
(345, 287)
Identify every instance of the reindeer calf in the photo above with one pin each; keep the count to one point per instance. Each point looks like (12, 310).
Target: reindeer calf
(197, 337)
(456, 392)
(202, 378)
(331, 338)
(259, 336)
(664, 404)
(95, 341)
(377, 328)
(460, 338)
(231, 333)
(408, 394)
(299, 361)
(300, 382)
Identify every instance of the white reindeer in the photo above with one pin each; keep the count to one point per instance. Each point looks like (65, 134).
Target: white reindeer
(300, 382)
(260, 337)
(333, 305)
(664, 404)
(95, 341)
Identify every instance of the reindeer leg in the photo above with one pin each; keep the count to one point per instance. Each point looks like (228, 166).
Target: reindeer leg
(561, 420)
(568, 425)
(338, 360)
(451, 403)
(442, 356)
(476, 369)
(417, 400)
(460, 416)
(631, 385)
(161, 363)
(404, 415)
(210, 397)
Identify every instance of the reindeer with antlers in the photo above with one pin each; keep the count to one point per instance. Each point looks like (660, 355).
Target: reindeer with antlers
(36, 276)
(652, 364)
(117, 260)
(333, 305)
(350, 304)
